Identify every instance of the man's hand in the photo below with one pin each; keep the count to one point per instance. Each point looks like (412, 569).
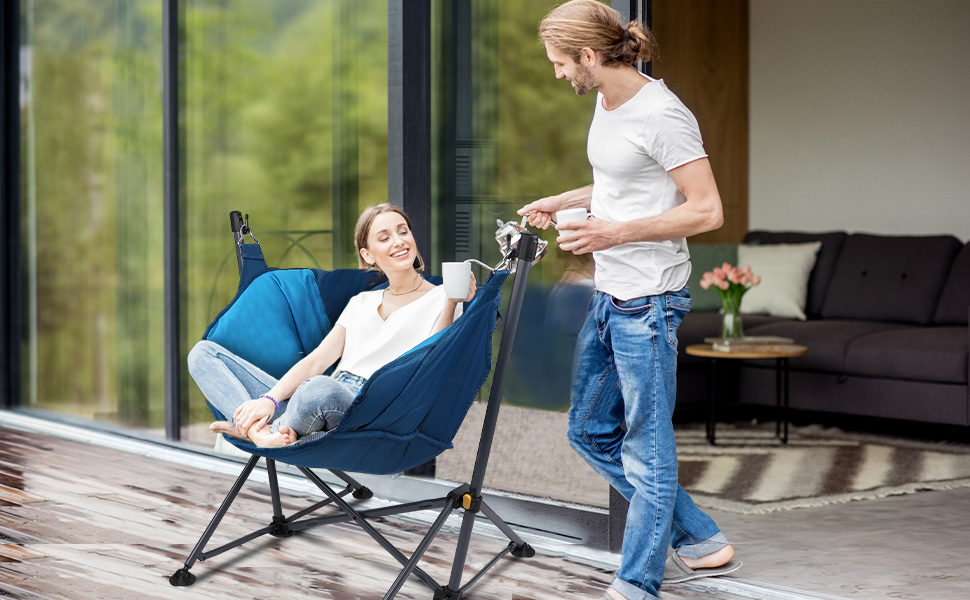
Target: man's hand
(253, 412)
(541, 212)
(591, 235)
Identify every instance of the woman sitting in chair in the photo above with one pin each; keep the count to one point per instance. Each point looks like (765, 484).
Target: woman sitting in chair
(375, 328)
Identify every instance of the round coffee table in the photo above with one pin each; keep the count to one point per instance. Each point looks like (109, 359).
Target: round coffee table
(779, 352)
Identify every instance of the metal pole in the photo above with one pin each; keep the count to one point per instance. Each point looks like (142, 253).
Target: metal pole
(236, 224)
(10, 273)
(170, 220)
(409, 113)
(345, 154)
(528, 242)
(636, 10)
(646, 17)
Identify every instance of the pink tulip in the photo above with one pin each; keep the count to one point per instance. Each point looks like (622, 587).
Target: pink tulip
(733, 280)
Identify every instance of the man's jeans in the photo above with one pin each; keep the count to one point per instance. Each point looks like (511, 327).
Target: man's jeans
(625, 370)
(227, 380)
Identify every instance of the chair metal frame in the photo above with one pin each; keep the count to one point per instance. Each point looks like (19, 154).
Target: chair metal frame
(521, 253)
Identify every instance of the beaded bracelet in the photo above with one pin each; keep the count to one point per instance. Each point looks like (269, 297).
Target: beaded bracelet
(271, 398)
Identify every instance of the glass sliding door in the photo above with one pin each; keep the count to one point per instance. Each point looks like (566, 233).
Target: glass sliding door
(508, 132)
(284, 118)
(91, 198)
(283, 115)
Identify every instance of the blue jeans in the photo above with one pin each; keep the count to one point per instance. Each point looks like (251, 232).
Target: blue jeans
(227, 380)
(625, 370)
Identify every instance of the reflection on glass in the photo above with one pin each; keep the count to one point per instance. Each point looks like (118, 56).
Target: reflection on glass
(285, 118)
(510, 133)
(92, 203)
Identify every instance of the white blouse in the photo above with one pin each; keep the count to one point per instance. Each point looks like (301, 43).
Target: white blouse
(372, 342)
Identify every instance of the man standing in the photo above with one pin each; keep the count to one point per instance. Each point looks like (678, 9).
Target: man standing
(653, 187)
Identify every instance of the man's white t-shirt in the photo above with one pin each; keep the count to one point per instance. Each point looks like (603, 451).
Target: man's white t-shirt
(631, 150)
(372, 341)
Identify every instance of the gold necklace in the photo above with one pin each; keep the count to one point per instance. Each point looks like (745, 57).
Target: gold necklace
(415, 288)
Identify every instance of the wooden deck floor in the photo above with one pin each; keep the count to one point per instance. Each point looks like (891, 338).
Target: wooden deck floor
(82, 521)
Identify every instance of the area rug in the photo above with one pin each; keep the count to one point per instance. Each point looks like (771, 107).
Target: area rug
(750, 472)
(747, 472)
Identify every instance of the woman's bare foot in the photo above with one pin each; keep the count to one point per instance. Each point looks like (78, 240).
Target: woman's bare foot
(226, 428)
(714, 559)
(290, 435)
(615, 594)
(265, 438)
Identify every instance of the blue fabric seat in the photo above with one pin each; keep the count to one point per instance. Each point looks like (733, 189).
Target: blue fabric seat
(407, 413)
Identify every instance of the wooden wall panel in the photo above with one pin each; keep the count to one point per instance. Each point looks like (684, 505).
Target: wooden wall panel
(703, 58)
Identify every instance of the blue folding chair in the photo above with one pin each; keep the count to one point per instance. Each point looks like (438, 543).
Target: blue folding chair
(406, 414)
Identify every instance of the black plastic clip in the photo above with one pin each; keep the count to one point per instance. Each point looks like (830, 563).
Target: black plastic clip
(240, 227)
(468, 502)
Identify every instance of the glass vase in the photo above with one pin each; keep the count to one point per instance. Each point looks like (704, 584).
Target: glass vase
(731, 319)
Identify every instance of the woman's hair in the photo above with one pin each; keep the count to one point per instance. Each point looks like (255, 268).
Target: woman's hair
(363, 230)
(580, 24)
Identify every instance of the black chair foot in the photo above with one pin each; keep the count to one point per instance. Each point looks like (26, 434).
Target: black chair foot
(279, 528)
(182, 578)
(446, 593)
(363, 493)
(523, 551)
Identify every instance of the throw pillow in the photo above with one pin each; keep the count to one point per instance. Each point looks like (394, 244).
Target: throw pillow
(784, 271)
(703, 258)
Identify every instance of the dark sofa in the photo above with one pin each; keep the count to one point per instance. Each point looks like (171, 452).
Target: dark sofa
(886, 332)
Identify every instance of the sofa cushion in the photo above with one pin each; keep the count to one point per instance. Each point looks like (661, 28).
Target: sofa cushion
(784, 270)
(704, 257)
(818, 282)
(889, 278)
(918, 353)
(827, 341)
(955, 299)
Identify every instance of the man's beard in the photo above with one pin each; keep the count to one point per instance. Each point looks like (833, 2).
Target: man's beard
(583, 81)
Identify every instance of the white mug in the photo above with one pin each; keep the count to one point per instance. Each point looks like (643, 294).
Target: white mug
(570, 214)
(458, 278)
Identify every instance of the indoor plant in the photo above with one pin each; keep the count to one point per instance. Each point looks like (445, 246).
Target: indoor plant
(731, 283)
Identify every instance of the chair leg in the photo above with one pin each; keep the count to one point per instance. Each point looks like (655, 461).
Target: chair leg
(183, 577)
(280, 528)
(418, 554)
(517, 547)
(361, 492)
(461, 551)
(368, 528)
(520, 548)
